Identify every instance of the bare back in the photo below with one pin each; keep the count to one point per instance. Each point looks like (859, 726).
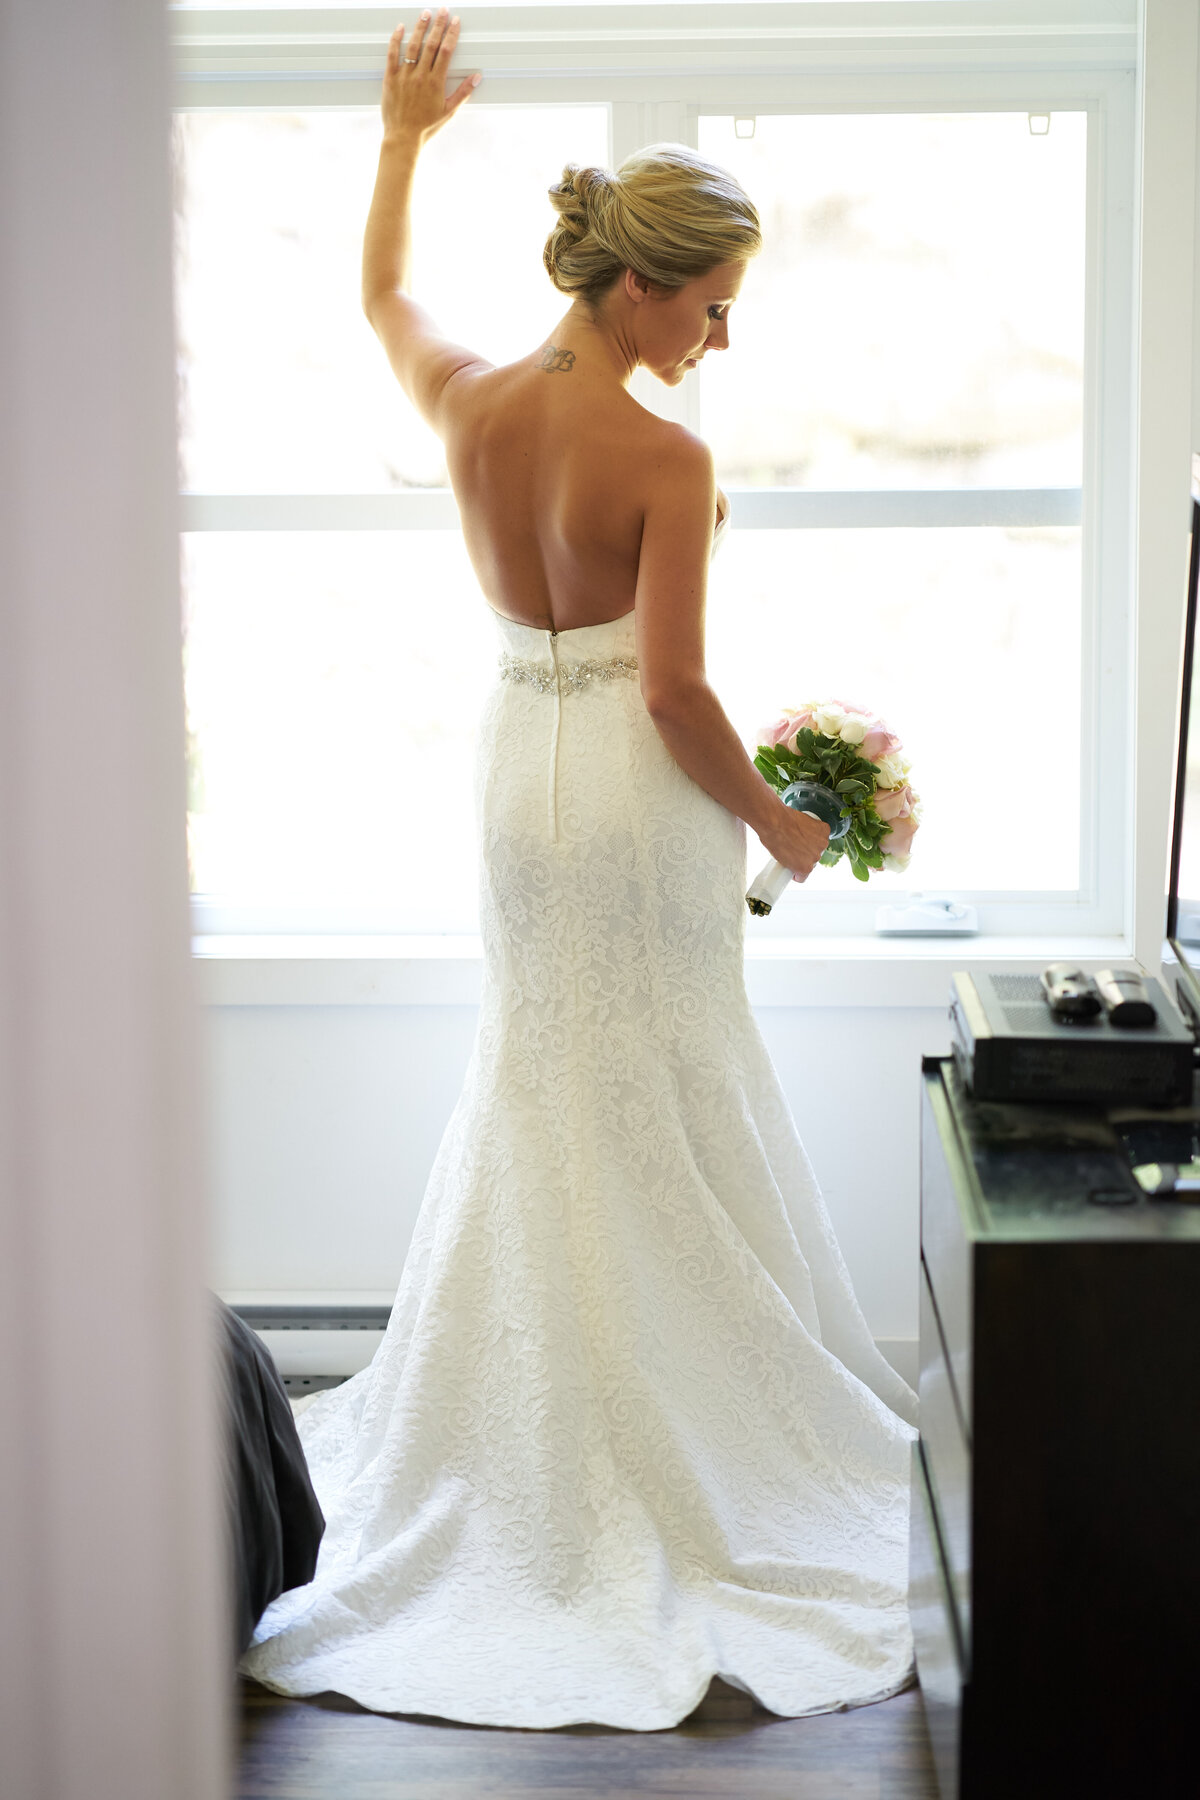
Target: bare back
(551, 469)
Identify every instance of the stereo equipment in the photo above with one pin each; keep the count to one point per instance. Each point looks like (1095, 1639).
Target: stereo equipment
(1010, 1043)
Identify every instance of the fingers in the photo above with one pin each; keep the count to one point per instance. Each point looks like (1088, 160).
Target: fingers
(433, 39)
(444, 49)
(462, 92)
(430, 50)
(416, 43)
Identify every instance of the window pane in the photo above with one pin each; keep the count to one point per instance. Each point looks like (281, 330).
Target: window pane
(284, 385)
(334, 681)
(967, 642)
(916, 317)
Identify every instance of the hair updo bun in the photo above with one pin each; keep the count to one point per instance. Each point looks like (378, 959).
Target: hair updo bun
(666, 213)
(577, 200)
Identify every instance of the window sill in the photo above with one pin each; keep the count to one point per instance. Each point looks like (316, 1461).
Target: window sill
(446, 971)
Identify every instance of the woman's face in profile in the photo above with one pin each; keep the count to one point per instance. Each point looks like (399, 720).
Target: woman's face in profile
(676, 330)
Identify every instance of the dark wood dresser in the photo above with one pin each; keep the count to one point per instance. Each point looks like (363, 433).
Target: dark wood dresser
(1055, 1583)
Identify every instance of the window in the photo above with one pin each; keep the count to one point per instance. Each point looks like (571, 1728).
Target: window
(334, 675)
(922, 423)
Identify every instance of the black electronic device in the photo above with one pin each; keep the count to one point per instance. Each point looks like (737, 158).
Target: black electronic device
(1070, 992)
(1009, 1045)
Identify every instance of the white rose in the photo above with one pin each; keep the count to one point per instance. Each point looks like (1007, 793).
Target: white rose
(890, 772)
(828, 720)
(854, 728)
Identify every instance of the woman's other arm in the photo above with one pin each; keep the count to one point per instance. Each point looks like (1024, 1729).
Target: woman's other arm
(415, 106)
(669, 619)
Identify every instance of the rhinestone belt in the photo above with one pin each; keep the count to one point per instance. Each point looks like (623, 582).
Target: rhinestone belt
(566, 677)
(559, 678)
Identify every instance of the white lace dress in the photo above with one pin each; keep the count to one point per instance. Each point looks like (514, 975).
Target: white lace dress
(628, 1428)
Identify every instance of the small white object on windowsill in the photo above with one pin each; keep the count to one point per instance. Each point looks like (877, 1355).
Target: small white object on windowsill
(927, 915)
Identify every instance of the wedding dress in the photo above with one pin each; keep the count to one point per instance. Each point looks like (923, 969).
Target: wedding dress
(627, 1429)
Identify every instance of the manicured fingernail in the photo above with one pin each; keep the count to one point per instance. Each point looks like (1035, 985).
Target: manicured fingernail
(475, 80)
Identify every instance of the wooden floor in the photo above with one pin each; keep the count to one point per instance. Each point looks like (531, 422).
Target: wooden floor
(328, 1748)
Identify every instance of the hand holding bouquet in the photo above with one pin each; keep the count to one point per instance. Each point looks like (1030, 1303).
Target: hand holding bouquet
(842, 764)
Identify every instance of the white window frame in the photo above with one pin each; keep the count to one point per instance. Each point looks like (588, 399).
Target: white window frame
(660, 67)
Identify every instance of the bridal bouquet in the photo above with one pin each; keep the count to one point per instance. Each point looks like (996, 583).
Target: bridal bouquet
(843, 765)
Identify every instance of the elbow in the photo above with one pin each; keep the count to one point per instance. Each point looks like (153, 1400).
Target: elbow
(373, 298)
(670, 703)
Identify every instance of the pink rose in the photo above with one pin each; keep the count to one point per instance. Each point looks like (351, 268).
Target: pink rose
(878, 742)
(894, 803)
(898, 841)
(785, 729)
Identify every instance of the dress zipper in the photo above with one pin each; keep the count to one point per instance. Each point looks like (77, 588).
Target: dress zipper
(553, 793)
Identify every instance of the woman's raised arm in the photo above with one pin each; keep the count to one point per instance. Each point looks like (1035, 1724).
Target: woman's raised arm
(415, 106)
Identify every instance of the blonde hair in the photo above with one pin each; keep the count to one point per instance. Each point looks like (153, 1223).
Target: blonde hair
(666, 213)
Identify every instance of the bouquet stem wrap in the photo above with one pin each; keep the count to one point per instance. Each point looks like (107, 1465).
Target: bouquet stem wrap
(803, 796)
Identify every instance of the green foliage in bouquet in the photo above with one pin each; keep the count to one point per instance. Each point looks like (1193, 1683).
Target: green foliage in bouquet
(840, 768)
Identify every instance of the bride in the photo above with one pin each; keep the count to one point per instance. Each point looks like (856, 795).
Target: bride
(628, 1429)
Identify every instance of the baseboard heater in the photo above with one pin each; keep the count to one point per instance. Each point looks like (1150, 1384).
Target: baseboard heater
(316, 1346)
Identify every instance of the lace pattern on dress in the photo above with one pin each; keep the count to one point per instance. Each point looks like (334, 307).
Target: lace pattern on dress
(562, 676)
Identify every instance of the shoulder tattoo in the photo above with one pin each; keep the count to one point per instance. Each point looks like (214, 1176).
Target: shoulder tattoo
(556, 361)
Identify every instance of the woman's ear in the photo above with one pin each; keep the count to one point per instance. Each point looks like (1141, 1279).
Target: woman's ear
(637, 287)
